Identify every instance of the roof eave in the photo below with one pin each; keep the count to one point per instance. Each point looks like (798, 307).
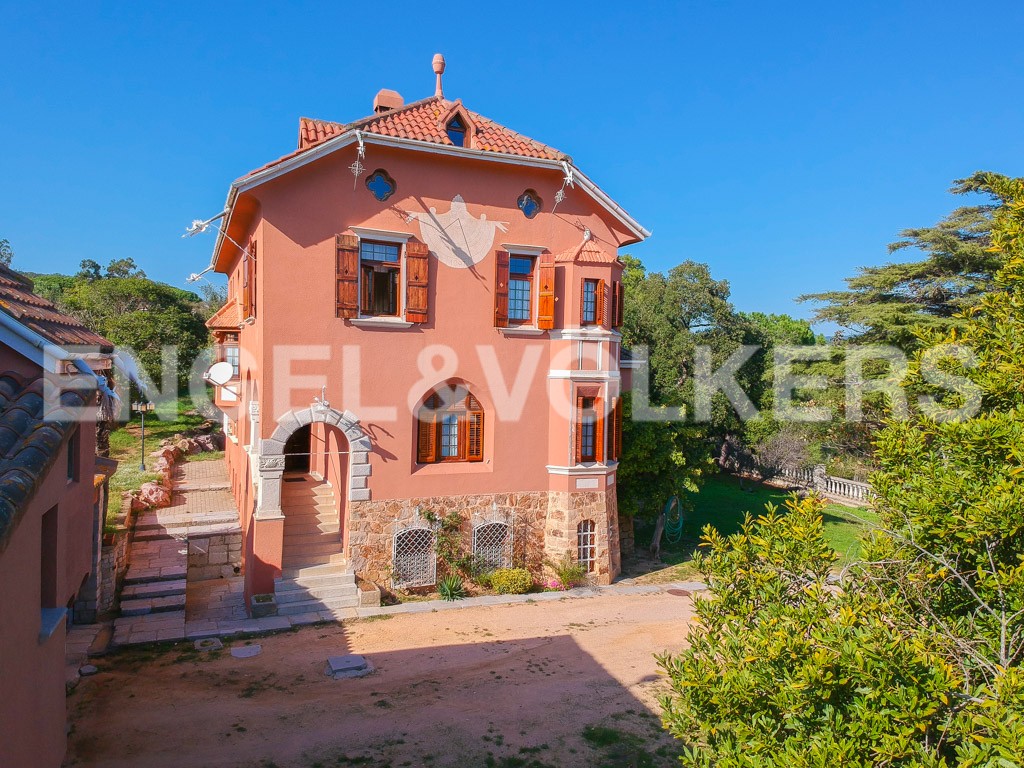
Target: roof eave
(246, 183)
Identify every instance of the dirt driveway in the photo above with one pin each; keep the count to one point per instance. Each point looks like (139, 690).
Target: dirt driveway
(563, 683)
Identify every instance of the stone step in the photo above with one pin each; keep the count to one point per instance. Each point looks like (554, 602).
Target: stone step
(149, 522)
(153, 589)
(313, 580)
(316, 536)
(304, 561)
(340, 565)
(311, 525)
(307, 606)
(323, 594)
(144, 605)
(322, 546)
(311, 515)
(165, 573)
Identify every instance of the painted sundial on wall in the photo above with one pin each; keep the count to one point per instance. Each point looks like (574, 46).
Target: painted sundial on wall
(457, 238)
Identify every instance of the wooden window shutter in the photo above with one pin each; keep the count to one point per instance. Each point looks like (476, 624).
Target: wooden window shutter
(426, 438)
(583, 302)
(599, 419)
(616, 435)
(600, 304)
(247, 279)
(546, 292)
(618, 304)
(500, 289)
(578, 442)
(417, 282)
(347, 276)
(475, 436)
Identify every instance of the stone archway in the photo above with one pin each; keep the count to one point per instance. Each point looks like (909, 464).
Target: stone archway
(272, 456)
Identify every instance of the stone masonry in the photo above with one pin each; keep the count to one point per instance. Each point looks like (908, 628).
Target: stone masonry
(544, 527)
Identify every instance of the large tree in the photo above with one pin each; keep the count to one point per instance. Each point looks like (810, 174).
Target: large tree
(914, 657)
(890, 303)
(6, 252)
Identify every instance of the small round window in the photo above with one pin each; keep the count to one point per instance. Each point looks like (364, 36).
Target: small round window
(529, 203)
(381, 184)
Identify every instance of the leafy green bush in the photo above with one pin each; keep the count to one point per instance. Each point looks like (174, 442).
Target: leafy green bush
(511, 581)
(484, 579)
(451, 588)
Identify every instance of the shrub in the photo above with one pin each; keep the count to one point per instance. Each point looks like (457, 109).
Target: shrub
(568, 573)
(484, 579)
(451, 588)
(512, 581)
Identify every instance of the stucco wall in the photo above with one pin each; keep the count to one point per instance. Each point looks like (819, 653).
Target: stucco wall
(32, 707)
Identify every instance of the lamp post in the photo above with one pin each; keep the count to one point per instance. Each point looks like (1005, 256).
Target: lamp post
(142, 408)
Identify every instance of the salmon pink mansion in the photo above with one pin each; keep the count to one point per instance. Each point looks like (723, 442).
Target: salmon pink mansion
(422, 318)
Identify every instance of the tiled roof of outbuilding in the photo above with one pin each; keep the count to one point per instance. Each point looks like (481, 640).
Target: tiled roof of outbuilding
(30, 440)
(41, 316)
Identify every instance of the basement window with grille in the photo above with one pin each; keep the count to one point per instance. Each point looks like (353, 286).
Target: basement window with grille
(415, 564)
(492, 545)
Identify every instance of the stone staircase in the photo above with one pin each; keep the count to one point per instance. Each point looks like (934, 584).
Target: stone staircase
(315, 574)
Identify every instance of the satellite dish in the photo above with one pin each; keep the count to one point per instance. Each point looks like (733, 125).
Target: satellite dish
(220, 373)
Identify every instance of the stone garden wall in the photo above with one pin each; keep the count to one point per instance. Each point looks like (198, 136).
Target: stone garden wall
(217, 556)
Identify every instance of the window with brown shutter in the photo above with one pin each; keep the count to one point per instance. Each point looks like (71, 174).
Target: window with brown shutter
(249, 281)
(618, 304)
(347, 276)
(546, 292)
(500, 289)
(450, 427)
(588, 302)
(417, 282)
(615, 437)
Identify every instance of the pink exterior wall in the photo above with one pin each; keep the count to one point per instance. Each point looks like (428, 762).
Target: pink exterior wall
(294, 220)
(32, 696)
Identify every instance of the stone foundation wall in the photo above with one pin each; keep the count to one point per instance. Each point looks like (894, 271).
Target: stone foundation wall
(627, 536)
(544, 527)
(114, 558)
(567, 510)
(217, 556)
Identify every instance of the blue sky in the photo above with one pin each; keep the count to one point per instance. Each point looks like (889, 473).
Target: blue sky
(784, 144)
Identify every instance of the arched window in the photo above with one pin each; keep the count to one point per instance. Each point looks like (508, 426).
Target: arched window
(586, 545)
(450, 427)
(456, 130)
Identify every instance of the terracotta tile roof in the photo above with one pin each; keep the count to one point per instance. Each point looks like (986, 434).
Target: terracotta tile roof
(423, 120)
(314, 131)
(29, 443)
(587, 251)
(40, 315)
(227, 318)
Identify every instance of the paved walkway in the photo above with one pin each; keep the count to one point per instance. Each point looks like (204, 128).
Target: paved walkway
(154, 595)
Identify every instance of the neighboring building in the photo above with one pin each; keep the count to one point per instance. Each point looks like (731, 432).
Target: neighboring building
(52, 502)
(424, 224)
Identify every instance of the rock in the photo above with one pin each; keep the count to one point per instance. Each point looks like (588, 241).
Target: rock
(160, 465)
(209, 644)
(87, 670)
(154, 495)
(247, 651)
(349, 665)
(138, 505)
(207, 443)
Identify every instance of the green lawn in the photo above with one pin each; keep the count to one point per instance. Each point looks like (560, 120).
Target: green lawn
(126, 448)
(722, 503)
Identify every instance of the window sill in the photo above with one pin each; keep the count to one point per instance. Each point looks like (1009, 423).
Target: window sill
(380, 322)
(51, 619)
(453, 468)
(522, 330)
(590, 468)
